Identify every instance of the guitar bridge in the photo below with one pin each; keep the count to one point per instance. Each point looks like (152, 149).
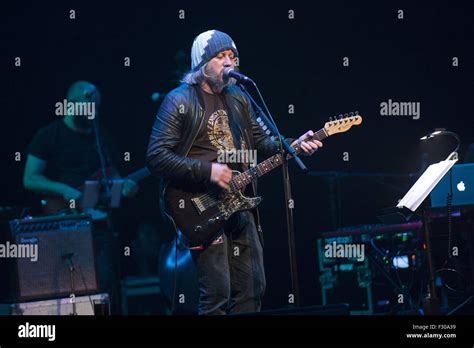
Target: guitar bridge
(198, 204)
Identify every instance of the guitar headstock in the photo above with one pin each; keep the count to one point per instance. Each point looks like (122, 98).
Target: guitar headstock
(343, 123)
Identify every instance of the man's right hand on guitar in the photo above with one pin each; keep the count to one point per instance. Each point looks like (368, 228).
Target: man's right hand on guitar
(221, 175)
(69, 193)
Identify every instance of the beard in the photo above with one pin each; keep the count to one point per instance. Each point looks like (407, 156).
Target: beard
(216, 82)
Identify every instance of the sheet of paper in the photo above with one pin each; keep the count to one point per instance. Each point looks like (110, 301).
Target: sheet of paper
(425, 184)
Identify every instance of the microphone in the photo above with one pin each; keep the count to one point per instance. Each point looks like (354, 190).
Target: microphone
(68, 257)
(229, 72)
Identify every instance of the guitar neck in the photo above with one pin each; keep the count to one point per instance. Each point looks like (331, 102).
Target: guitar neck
(139, 174)
(240, 181)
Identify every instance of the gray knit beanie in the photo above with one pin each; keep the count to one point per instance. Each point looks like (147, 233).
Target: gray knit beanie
(207, 45)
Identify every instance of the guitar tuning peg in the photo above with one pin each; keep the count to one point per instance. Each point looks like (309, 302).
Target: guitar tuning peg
(351, 114)
(356, 113)
(330, 118)
(346, 115)
(258, 119)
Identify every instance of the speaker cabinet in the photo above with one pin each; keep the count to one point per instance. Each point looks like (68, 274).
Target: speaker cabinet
(54, 256)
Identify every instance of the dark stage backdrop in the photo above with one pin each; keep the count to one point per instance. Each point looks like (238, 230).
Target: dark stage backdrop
(323, 59)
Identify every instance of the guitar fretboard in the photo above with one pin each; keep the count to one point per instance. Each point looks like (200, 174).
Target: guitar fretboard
(238, 182)
(139, 174)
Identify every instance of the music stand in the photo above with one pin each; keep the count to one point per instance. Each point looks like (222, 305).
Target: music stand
(406, 208)
(91, 194)
(116, 192)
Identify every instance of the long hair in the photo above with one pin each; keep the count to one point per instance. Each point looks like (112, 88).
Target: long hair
(195, 77)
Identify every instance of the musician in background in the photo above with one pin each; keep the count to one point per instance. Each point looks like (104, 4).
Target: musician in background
(203, 116)
(64, 154)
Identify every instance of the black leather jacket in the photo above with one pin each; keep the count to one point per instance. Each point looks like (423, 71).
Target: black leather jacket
(177, 125)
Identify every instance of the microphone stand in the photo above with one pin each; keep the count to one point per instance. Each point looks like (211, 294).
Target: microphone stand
(286, 151)
(106, 182)
(71, 269)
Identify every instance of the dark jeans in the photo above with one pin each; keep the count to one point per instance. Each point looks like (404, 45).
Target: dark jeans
(230, 274)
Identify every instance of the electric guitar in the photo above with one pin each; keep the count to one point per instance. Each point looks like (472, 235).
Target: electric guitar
(55, 204)
(200, 212)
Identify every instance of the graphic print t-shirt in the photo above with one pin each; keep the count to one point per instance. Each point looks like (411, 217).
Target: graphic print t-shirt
(215, 135)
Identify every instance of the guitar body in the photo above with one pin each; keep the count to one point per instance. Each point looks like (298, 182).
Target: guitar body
(200, 213)
(54, 204)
